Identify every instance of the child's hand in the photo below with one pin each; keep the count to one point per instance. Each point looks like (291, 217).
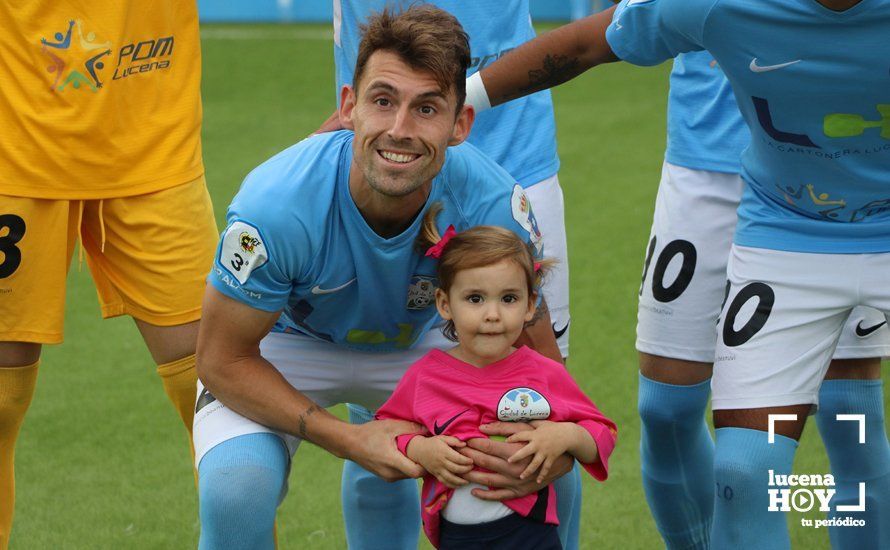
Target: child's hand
(547, 442)
(438, 457)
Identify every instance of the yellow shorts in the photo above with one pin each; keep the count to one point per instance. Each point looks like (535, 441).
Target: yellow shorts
(148, 254)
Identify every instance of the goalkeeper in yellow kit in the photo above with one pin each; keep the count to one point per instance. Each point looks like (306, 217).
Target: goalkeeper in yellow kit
(100, 113)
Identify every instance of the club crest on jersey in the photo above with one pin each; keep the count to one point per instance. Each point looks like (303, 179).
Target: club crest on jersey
(522, 211)
(242, 250)
(521, 404)
(421, 292)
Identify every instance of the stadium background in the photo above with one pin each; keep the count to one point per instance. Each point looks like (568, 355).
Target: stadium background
(102, 462)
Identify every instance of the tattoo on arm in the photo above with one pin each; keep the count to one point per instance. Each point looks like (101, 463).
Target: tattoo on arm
(304, 416)
(556, 70)
(541, 310)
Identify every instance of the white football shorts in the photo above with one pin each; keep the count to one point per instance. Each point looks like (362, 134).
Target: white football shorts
(684, 274)
(324, 372)
(783, 318)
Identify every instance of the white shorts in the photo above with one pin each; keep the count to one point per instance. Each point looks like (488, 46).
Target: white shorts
(782, 320)
(324, 372)
(684, 274)
(546, 199)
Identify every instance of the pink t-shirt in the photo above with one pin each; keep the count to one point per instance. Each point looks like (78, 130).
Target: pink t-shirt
(451, 397)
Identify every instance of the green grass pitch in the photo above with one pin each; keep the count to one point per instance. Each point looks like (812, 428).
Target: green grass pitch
(102, 461)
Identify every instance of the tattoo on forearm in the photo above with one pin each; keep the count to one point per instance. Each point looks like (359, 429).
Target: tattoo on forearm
(304, 416)
(556, 70)
(541, 310)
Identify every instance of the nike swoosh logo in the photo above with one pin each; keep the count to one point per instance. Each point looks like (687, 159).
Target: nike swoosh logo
(318, 290)
(767, 68)
(204, 399)
(560, 331)
(863, 332)
(437, 429)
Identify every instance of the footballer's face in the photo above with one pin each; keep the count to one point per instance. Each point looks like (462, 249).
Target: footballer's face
(403, 124)
(489, 306)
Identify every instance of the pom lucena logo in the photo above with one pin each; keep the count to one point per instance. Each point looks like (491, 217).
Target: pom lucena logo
(78, 57)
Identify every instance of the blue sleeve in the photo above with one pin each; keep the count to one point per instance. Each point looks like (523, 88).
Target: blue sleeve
(648, 32)
(492, 196)
(256, 260)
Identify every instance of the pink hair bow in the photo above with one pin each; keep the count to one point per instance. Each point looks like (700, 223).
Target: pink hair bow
(436, 250)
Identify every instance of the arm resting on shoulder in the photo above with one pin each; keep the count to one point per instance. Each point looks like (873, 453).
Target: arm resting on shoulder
(550, 59)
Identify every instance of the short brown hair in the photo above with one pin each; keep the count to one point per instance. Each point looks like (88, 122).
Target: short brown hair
(480, 246)
(426, 38)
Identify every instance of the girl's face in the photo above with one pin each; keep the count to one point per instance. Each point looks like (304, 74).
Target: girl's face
(489, 306)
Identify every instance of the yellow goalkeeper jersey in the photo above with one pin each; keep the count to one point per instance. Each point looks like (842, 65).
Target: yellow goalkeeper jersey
(98, 98)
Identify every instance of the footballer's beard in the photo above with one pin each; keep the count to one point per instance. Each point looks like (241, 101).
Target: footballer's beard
(396, 184)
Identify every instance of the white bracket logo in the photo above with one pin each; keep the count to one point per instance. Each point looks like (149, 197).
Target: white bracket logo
(860, 418)
(773, 418)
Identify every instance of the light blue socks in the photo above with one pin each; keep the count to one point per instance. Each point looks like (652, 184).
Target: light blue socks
(677, 461)
(853, 463)
(240, 484)
(742, 461)
(568, 507)
(378, 515)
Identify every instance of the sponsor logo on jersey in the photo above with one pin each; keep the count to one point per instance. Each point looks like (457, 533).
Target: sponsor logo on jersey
(834, 125)
(403, 339)
(421, 292)
(242, 250)
(227, 280)
(823, 203)
(143, 57)
(521, 404)
(521, 208)
(77, 57)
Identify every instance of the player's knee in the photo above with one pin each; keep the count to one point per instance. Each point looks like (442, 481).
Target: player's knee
(18, 354)
(242, 498)
(665, 406)
(240, 483)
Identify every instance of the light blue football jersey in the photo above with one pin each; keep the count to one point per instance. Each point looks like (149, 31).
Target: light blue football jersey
(519, 135)
(813, 85)
(296, 242)
(705, 128)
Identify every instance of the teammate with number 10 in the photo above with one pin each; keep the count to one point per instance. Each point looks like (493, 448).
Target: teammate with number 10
(683, 286)
(811, 242)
